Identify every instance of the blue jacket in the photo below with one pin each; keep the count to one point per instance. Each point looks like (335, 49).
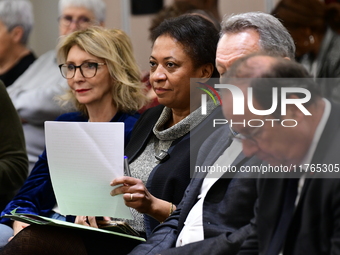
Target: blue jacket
(36, 195)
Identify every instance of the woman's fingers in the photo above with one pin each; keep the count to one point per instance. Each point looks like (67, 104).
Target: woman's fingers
(82, 220)
(86, 221)
(130, 185)
(124, 180)
(92, 221)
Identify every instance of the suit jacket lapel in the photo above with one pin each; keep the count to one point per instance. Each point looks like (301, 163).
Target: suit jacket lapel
(196, 183)
(190, 200)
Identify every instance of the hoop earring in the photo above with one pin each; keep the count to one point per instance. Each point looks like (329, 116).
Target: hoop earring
(311, 39)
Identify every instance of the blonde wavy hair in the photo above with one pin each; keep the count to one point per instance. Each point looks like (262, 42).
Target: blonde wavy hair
(114, 46)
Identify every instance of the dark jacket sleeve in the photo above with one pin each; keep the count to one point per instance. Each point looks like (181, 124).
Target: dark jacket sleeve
(36, 196)
(250, 245)
(164, 237)
(13, 157)
(227, 243)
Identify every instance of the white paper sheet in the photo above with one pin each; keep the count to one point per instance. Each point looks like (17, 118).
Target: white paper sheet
(83, 158)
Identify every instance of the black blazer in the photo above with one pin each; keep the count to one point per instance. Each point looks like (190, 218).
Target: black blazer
(227, 208)
(315, 227)
(169, 179)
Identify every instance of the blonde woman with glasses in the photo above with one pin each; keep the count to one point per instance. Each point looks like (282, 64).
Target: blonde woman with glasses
(104, 85)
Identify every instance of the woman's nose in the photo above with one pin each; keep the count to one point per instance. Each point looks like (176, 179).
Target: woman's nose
(158, 74)
(78, 75)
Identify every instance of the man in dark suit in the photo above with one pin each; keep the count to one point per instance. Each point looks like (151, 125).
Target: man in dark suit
(214, 215)
(298, 209)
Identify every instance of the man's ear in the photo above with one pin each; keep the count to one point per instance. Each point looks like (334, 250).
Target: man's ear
(17, 33)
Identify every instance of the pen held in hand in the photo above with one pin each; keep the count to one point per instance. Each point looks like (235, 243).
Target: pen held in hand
(126, 167)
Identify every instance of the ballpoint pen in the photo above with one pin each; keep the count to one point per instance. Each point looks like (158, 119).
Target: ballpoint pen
(126, 166)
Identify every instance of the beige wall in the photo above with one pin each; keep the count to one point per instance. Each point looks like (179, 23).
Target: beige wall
(45, 33)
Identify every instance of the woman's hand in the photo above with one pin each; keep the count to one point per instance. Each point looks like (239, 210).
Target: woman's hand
(137, 196)
(134, 192)
(90, 221)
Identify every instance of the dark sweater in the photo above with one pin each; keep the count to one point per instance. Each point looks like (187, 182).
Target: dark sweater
(11, 75)
(13, 157)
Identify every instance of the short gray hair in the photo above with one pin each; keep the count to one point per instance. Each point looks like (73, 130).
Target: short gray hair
(98, 7)
(274, 37)
(14, 13)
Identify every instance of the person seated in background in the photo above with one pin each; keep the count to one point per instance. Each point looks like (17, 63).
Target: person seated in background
(104, 82)
(16, 23)
(297, 211)
(34, 91)
(315, 28)
(13, 157)
(163, 145)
